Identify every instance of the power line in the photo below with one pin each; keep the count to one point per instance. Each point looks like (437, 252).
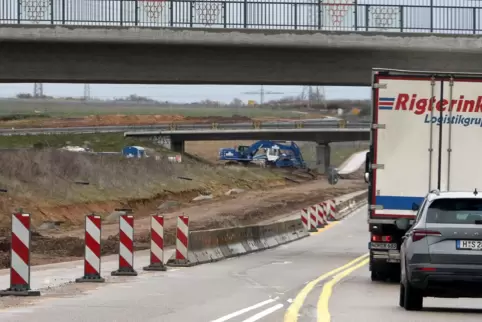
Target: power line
(262, 93)
(314, 95)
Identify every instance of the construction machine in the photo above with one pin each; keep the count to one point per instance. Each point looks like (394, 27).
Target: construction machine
(273, 154)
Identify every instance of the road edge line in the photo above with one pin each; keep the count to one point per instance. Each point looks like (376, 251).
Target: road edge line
(291, 314)
(323, 310)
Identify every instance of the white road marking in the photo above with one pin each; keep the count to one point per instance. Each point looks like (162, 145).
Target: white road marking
(281, 263)
(242, 311)
(264, 313)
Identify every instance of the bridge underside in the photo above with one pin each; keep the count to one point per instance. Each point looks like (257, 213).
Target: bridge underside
(176, 142)
(280, 135)
(63, 62)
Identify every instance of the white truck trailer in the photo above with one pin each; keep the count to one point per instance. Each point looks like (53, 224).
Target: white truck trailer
(426, 131)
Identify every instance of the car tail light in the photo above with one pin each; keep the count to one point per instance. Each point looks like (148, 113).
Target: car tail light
(378, 238)
(419, 234)
(427, 269)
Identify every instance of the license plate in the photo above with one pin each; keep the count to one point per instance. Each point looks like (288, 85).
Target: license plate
(383, 246)
(469, 244)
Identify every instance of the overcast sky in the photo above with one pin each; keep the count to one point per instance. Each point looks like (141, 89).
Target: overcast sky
(183, 93)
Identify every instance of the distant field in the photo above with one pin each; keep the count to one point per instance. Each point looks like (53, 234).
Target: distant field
(110, 142)
(57, 108)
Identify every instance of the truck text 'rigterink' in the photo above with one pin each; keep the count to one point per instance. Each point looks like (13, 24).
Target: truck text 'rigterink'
(423, 106)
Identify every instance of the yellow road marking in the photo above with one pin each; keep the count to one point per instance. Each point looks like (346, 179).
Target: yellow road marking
(291, 314)
(330, 225)
(323, 301)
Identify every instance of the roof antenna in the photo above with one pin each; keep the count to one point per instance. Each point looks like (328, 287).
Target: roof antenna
(475, 192)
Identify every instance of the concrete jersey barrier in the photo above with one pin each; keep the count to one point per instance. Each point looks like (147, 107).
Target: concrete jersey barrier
(212, 245)
(205, 246)
(347, 206)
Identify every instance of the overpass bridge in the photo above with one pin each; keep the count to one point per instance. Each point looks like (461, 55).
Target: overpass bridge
(178, 127)
(235, 45)
(321, 132)
(173, 136)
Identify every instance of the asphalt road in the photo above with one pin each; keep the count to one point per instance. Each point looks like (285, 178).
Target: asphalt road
(294, 282)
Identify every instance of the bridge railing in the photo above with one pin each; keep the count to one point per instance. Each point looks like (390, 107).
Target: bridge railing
(447, 16)
(192, 127)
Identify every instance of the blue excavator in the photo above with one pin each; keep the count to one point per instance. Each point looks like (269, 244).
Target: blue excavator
(274, 154)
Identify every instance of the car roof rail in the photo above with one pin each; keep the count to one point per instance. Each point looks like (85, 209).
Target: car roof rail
(435, 191)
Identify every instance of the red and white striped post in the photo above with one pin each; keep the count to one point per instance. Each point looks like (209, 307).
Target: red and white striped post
(93, 229)
(20, 258)
(305, 218)
(157, 244)
(126, 247)
(322, 212)
(182, 240)
(313, 220)
(319, 216)
(331, 209)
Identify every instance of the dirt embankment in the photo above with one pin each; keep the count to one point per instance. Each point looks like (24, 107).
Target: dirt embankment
(245, 208)
(113, 120)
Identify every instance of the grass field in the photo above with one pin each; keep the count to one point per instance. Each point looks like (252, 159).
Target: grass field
(109, 142)
(58, 108)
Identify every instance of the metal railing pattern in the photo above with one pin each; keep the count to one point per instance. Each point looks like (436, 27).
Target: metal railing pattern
(434, 16)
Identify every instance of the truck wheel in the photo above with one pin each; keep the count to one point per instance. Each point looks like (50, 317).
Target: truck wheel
(401, 299)
(376, 276)
(413, 298)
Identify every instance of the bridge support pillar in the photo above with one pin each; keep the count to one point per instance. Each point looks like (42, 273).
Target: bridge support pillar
(178, 146)
(167, 142)
(323, 156)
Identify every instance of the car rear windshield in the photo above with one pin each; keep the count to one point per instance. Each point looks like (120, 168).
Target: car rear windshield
(455, 211)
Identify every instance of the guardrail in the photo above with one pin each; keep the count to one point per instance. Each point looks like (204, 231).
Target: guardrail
(296, 125)
(347, 15)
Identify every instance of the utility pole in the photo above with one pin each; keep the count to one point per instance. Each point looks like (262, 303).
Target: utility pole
(38, 90)
(262, 94)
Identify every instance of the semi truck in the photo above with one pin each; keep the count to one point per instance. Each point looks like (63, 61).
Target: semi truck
(425, 131)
